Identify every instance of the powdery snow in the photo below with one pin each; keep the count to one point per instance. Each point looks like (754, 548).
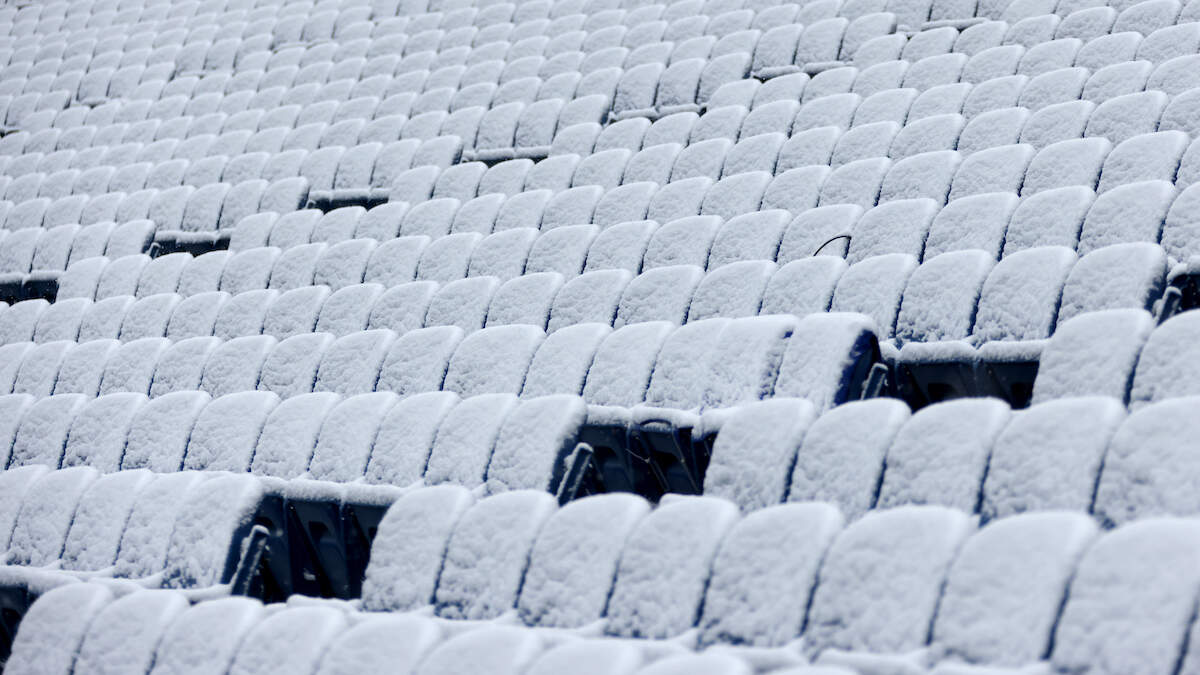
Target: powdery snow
(466, 438)
(289, 641)
(754, 451)
(204, 638)
(409, 548)
(488, 553)
(123, 636)
(289, 435)
(534, 442)
(574, 560)
(405, 438)
(54, 628)
(764, 575)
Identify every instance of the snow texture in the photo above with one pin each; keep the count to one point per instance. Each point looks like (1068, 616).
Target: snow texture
(731, 291)
(99, 431)
(574, 560)
(493, 360)
(379, 644)
(205, 637)
(123, 636)
(54, 628)
(874, 287)
(348, 435)
(764, 575)
(351, 365)
(1125, 213)
(488, 553)
(291, 367)
(665, 568)
(289, 435)
(1049, 456)
(821, 356)
(410, 546)
(42, 435)
(661, 294)
(684, 366)
(1020, 298)
(1130, 600)
(900, 226)
(227, 430)
(1093, 354)
(212, 515)
(347, 310)
(418, 360)
(289, 641)
(100, 517)
(882, 578)
(147, 531)
(592, 297)
(196, 315)
(234, 366)
(589, 657)
(975, 222)
(698, 664)
(46, 515)
(16, 483)
(504, 650)
(1004, 590)
(466, 438)
(405, 438)
(940, 456)
(561, 363)
(941, 295)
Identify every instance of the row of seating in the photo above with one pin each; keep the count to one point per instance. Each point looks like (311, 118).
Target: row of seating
(1022, 298)
(773, 353)
(923, 580)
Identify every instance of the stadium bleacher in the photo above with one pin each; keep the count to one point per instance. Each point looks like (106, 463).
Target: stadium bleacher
(612, 337)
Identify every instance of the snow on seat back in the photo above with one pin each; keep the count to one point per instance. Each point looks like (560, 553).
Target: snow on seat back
(123, 636)
(927, 175)
(159, 431)
(1127, 213)
(46, 515)
(351, 365)
(503, 650)
(1065, 163)
(1020, 297)
(525, 299)
(874, 287)
(660, 294)
(899, 226)
(462, 303)
(1049, 456)
(683, 367)
(940, 456)
(881, 580)
(589, 657)
(347, 436)
(227, 430)
(466, 439)
(561, 363)
(975, 222)
(1004, 590)
(347, 310)
(380, 643)
(100, 430)
(488, 553)
(1128, 275)
(1093, 353)
(755, 450)
(289, 435)
(234, 366)
(493, 360)
(39, 368)
(1165, 369)
(16, 483)
(410, 546)
(1147, 469)
(291, 367)
(213, 518)
(1131, 600)
(204, 638)
(589, 297)
(417, 361)
(764, 574)
(698, 664)
(54, 627)
(41, 437)
(745, 360)
(147, 530)
(827, 358)
(803, 286)
(292, 640)
(574, 560)
(841, 459)
(1152, 156)
(131, 367)
(749, 236)
(534, 442)
(665, 566)
(941, 296)
(405, 438)
(95, 535)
